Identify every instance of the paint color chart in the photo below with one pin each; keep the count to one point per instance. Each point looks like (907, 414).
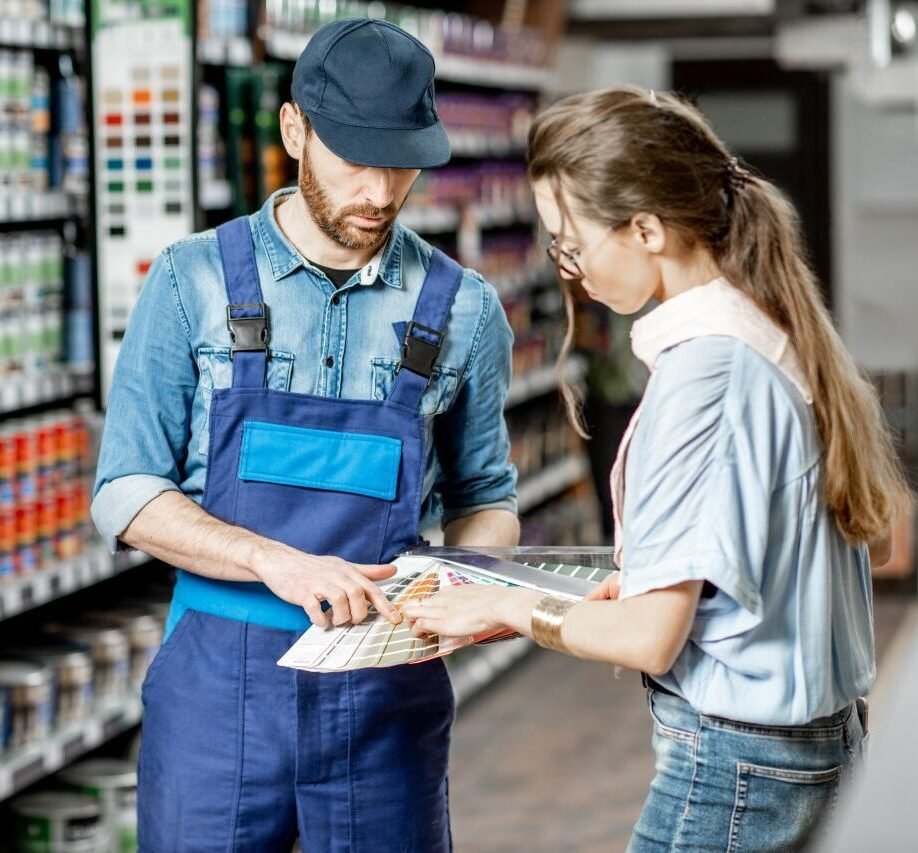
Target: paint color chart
(376, 642)
(142, 111)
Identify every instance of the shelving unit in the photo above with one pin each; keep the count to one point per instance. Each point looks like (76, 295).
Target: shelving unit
(54, 384)
(545, 379)
(17, 32)
(38, 207)
(31, 763)
(224, 50)
(18, 595)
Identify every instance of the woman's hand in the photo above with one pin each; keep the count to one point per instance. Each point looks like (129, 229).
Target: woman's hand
(471, 610)
(608, 589)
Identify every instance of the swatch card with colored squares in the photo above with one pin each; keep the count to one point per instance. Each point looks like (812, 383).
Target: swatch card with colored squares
(376, 642)
(142, 112)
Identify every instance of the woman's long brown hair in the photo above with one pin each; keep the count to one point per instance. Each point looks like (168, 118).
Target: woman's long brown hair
(619, 152)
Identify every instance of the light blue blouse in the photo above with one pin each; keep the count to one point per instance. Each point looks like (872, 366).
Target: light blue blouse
(723, 482)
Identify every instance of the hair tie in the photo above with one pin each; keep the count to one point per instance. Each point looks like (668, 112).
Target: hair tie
(737, 176)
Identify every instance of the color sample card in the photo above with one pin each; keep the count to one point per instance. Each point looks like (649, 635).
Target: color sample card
(143, 75)
(376, 642)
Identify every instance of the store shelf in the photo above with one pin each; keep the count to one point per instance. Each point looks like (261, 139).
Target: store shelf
(525, 279)
(457, 69)
(20, 392)
(15, 32)
(496, 215)
(224, 50)
(536, 488)
(19, 594)
(538, 382)
(485, 72)
(429, 220)
(474, 668)
(34, 207)
(464, 144)
(551, 481)
(215, 195)
(31, 763)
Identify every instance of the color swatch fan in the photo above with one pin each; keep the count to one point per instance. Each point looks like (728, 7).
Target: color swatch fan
(376, 642)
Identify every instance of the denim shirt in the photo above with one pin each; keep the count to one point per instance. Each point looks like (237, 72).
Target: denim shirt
(341, 343)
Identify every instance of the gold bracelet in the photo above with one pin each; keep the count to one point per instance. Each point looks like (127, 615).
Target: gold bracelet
(547, 618)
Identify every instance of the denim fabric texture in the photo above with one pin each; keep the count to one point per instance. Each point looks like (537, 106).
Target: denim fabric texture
(733, 787)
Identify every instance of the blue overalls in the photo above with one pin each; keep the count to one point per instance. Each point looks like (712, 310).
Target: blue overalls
(237, 752)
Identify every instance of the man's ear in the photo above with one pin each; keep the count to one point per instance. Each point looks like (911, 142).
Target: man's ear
(293, 134)
(648, 231)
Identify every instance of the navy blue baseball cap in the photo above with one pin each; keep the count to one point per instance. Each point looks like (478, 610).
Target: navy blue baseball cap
(367, 87)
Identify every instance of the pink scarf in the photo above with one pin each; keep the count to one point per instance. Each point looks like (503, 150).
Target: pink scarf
(716, 308)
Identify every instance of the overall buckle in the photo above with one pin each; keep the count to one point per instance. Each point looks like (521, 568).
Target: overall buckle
(248, 334)
(419, 355)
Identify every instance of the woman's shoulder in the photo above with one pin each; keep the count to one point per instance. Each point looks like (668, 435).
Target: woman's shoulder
(724, 375)
(730, 364)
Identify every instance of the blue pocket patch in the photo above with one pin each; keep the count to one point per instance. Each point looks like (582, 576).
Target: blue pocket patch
(320, 459)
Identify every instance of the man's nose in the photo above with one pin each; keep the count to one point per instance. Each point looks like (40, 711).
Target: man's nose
(379, 187)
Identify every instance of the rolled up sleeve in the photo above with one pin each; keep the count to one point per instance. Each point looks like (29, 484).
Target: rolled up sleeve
(148, 418)
(472, 441)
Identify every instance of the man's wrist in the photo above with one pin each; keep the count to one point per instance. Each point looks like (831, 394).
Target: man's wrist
(254, 556)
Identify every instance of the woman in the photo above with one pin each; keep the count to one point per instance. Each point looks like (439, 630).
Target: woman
(747, 489)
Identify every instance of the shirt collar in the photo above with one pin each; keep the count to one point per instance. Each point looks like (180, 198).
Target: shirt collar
(715, 308)
(284, 258)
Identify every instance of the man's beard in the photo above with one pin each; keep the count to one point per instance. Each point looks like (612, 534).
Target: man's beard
(334, 224)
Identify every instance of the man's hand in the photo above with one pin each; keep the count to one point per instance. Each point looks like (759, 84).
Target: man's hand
(307, 581)
(173, 528)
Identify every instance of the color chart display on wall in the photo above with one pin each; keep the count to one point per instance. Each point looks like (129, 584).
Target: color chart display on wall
(143, 72)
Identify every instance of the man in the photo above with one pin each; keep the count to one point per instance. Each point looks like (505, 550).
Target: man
(295, 395)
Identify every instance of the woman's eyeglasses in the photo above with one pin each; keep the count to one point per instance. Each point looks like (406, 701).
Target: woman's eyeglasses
(569, 263)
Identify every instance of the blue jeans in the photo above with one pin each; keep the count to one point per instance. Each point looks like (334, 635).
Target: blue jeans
(729, 786)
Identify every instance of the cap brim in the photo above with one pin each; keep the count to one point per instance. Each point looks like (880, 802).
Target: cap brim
(422, 148)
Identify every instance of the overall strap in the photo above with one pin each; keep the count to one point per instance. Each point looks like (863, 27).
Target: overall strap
(424, 336)
(246, 312)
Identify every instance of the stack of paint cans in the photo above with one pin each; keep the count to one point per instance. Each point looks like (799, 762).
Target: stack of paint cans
(112, 782)
(72, 666)
(56, 680)
(31, 302)
(144, 632)
(26, 703)
(58, 822)
(110, 652)
(45, 470)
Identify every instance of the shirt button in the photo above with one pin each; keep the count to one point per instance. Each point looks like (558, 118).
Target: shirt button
(329, 362)
(336, 299)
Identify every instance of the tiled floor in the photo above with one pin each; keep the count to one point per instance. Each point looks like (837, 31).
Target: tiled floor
(556, 757)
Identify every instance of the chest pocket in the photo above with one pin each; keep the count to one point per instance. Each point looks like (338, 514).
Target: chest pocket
(216, 369)
(439, 394)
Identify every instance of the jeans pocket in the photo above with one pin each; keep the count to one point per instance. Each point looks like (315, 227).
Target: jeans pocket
(778, 809)
(669, 722)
